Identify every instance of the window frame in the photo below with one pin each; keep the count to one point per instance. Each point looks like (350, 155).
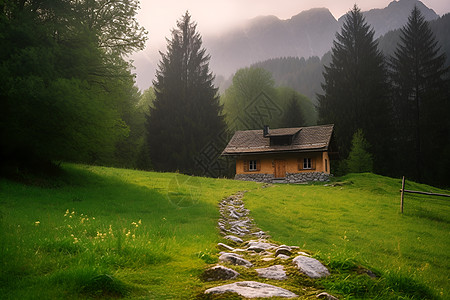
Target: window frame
(307, 163)
(252, 165)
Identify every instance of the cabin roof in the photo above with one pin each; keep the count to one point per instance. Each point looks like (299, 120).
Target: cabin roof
(304, 139)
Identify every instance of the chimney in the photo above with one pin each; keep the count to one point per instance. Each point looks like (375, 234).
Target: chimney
(266, 130)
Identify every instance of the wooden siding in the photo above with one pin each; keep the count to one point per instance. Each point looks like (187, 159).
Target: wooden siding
(293, 163)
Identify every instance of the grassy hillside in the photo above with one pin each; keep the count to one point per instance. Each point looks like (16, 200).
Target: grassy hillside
(151, 231)
(150, 235)
(360, 221)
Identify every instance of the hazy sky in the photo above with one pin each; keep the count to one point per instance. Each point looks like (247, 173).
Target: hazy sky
(213, 16)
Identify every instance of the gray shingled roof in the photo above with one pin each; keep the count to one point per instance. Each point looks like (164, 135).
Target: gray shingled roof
(313, 138)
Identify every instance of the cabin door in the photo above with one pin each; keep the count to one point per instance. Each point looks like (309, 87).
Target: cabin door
(280, 168)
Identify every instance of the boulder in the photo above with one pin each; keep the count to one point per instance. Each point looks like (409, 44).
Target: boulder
(219, 273)
(274, 272)
(311, 267)
(252, 289)
(234, 239)
(235, 259)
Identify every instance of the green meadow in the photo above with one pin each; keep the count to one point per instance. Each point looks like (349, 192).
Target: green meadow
(97, 232)
(357, 222)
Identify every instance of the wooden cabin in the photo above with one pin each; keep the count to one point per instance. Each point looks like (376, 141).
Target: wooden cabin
(298, 154)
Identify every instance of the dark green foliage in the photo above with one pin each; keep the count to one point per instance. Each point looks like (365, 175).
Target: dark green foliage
(186, 114)
(421, 103)
(251, 88)
(359, 160)
(253, 101)
(292, 116)
(355, 88)
(440, 28)
(64, 86)
(302, 75)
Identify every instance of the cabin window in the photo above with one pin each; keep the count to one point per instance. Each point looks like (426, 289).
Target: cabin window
(326, 165)
(307, 163)
(251, 165)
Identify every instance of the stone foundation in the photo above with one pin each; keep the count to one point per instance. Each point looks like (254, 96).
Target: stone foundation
(290, 177)
(267, 178)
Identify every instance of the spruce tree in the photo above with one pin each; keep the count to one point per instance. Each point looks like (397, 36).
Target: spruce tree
(186, 114)
(421, 102)
(355, 87)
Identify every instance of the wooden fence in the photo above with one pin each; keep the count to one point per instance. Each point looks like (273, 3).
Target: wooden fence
(403, 191)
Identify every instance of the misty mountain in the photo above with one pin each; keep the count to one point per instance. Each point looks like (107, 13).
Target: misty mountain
(309, 33)
(394, 16)
(305, 75)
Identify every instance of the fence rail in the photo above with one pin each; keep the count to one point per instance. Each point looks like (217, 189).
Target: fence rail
(403, 191)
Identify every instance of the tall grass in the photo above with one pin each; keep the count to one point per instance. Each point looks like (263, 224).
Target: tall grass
(360, 221)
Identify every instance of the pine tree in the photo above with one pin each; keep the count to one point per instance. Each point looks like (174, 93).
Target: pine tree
(421, 100)
(186, 114)
(359, 160)
(355, 87)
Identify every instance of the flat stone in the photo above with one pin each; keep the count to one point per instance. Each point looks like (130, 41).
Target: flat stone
(283, 250)
(274, 272)
(326, 296)
(239, 250)
(235, 259)
(234, 215)
(311, 267)
(234, 239)
(252, 289)
(225, 246)
(282, 256)
(267, 258)
(255, 248)
(235, 254)
(266, 253)
(259, 246)
(219, 273)
(303, 253)
(259, 233)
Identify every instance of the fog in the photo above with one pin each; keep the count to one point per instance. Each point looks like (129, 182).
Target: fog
(216, 17)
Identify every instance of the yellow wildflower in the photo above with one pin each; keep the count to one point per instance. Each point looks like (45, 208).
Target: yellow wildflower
(37, 223)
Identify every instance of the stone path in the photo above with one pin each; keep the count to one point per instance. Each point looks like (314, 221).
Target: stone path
(247, 245)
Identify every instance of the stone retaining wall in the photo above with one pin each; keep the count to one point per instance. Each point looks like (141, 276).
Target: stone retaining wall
(290, 177)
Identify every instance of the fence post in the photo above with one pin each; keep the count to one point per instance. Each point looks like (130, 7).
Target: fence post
(402, 194)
